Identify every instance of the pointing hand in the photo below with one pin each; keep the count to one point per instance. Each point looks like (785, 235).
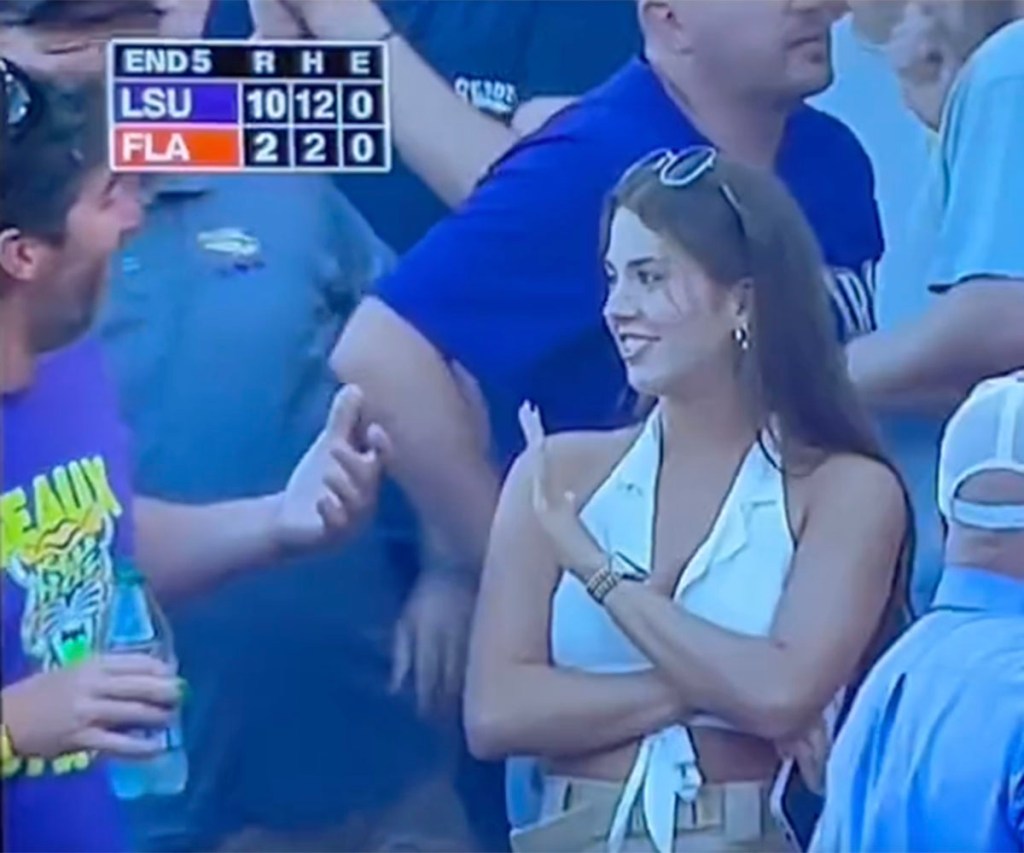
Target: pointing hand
(334, 487)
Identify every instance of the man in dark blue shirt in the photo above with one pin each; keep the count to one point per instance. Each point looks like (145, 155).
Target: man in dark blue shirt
(503, 297)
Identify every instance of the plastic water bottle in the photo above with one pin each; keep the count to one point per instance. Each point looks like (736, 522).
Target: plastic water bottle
(135, 624)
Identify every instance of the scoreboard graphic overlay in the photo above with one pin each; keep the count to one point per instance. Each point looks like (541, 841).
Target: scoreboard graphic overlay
(229, 106)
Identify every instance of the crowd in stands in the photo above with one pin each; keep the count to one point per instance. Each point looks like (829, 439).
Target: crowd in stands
(637, 466)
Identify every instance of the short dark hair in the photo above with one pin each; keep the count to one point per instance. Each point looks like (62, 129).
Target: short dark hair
(53, 13)
(45, 163)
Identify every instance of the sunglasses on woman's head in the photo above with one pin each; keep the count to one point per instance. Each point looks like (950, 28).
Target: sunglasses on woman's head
(681, 169)
(20, 104)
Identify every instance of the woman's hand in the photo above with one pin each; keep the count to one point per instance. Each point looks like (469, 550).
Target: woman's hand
(94, 705)
(810, 751)
(557, 509)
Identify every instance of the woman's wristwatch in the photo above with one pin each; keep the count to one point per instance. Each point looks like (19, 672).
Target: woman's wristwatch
(617, 568)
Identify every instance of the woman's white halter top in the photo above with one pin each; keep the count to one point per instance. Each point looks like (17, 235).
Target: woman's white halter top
(734, 580)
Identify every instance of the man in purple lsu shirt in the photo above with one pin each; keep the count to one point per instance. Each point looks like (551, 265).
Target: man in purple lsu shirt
(65, 498)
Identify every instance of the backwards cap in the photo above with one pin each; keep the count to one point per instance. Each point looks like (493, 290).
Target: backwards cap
(985, 434)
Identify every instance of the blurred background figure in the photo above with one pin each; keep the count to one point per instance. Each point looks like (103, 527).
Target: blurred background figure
(220, 319)
(963, 62)
(908, 771)
(866, 95)
(469, 78)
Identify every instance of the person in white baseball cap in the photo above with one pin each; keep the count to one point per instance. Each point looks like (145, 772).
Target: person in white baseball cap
(909, 770)
(981, 472)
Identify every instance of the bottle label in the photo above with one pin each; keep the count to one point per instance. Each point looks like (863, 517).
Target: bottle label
(136, 626)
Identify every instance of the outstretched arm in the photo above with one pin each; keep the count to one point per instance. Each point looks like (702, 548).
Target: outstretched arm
(182, 549)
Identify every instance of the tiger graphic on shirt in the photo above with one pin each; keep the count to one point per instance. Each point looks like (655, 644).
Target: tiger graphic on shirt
(57, 545)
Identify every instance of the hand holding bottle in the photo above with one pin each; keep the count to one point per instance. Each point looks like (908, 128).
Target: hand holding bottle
(92, 706)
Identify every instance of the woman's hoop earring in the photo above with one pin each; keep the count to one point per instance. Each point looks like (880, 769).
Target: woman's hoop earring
(742, 337)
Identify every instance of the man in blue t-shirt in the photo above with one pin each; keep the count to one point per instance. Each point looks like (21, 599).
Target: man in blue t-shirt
(501, 301)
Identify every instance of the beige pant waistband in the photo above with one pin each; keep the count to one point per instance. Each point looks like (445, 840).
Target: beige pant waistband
(739, 809)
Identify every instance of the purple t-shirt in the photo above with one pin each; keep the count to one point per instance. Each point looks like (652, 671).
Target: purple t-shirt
(65, 508)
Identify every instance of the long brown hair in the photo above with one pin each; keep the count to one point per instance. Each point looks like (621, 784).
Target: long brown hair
(741, 224)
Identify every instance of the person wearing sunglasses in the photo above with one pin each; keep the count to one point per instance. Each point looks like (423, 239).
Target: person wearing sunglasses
(668, 609)
(68, 510)
(218, 321)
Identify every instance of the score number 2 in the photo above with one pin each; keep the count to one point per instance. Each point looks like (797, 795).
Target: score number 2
(267, 147)
(316, 148)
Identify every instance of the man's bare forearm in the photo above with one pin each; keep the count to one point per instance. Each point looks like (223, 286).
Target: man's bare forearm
(450, 163)
(929, 365)
(184, 549)
(452, 484)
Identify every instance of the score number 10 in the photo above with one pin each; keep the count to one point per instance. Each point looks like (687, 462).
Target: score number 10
(314, 113)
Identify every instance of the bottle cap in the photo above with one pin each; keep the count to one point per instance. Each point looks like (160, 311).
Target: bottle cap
(125, 572)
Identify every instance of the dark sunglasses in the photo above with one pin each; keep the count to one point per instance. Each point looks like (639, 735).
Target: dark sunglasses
(20, 100)
(681, 169)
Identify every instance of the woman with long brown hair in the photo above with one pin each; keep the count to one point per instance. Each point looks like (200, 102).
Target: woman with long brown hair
(668, 609)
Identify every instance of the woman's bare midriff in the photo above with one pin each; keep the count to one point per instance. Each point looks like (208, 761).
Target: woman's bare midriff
(722, 757)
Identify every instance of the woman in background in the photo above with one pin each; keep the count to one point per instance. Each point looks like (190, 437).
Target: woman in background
(668, 609)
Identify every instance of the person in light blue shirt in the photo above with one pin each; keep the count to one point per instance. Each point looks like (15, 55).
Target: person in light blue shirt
(220, 315)
(967, 241)
(865, 95)
(931, 757)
